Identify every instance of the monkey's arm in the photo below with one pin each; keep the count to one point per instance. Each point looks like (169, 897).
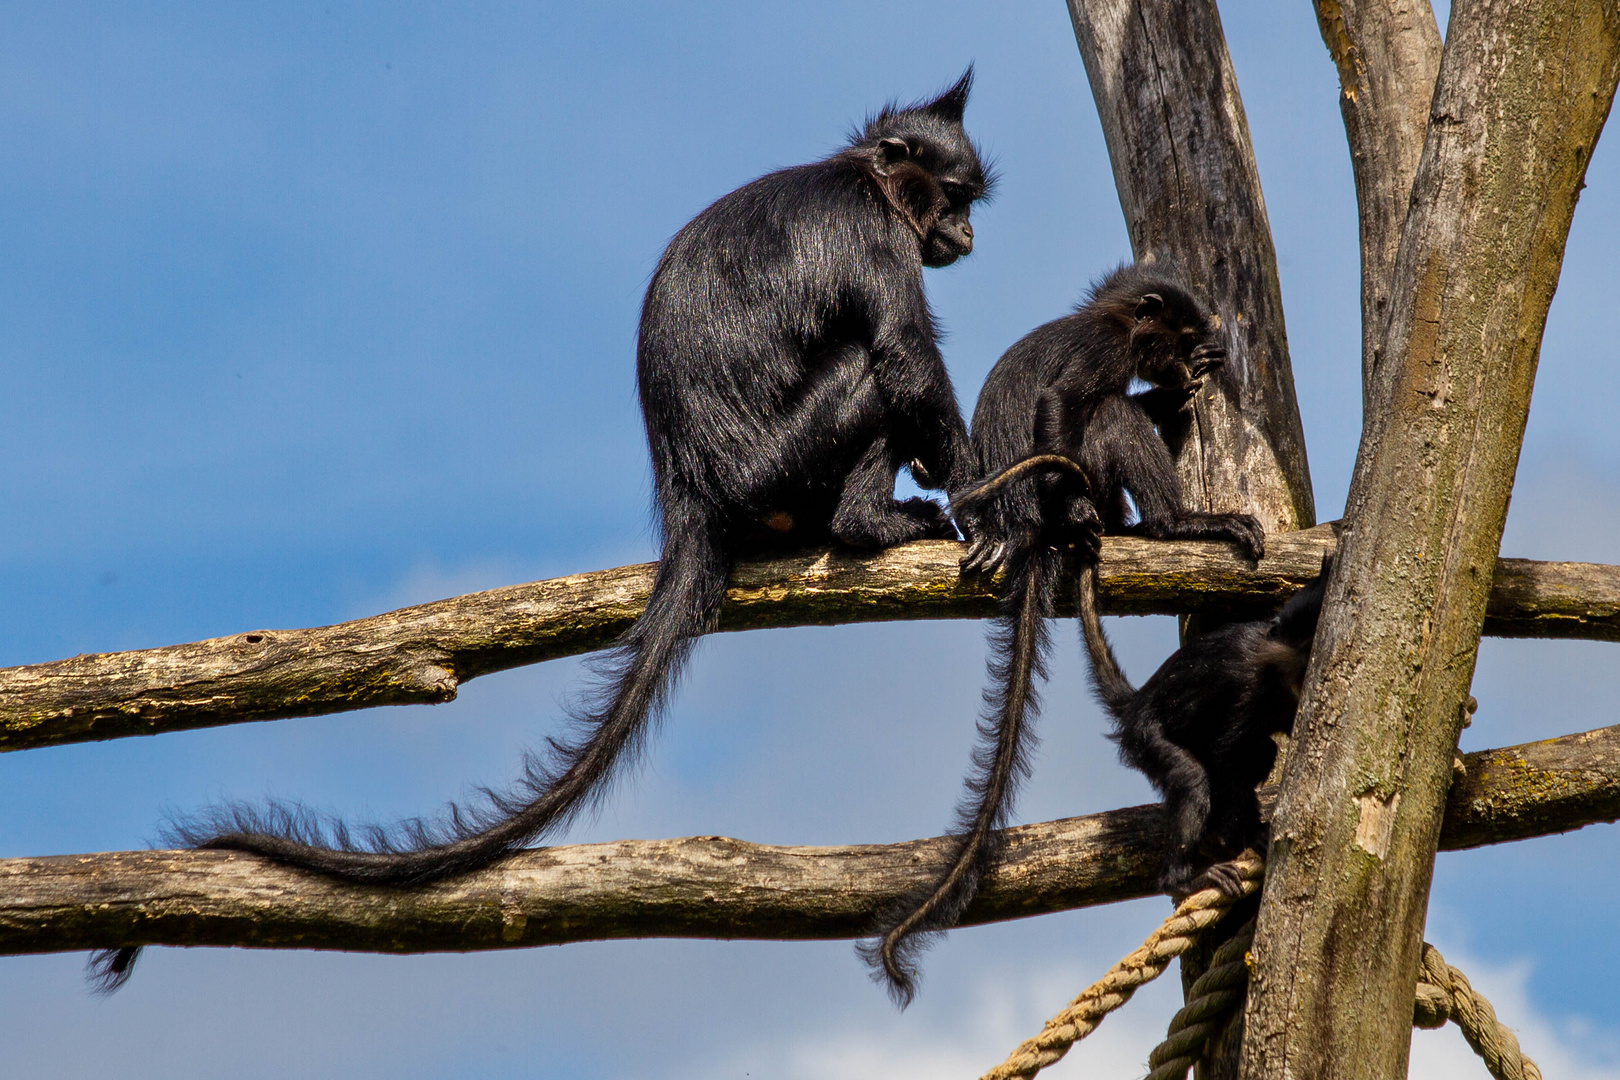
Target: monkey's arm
(925, 421)
(1166, 405)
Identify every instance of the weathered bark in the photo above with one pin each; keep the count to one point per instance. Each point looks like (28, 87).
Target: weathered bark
(420, 655)
(703, 886)
(697, 886)
(1388, 54)
(1523, 91)
(1190, 190)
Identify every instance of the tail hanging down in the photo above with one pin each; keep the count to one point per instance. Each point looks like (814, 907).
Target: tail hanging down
(556, 785)
(1019, 646)
(1113, 689)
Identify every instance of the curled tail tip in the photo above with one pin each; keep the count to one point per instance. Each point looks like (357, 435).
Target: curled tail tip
(887, 958)
(107, 970)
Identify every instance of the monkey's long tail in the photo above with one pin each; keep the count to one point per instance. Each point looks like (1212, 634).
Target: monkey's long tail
(1019, 646)
(1113, 689)
(685, 603)
(1035, 463)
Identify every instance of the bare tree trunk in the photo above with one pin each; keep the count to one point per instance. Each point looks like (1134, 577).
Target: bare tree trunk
(1523, 91)
(1190, 190)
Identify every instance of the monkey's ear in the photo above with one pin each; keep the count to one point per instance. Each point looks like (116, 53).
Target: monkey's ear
(1149, 305)
(952, 103)
(890, 152)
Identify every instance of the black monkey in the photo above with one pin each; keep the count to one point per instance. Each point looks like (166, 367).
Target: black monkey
(1056, 428)
(788, 367)
(1200, 728)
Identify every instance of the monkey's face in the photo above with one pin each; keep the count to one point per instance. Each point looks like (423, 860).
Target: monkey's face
(1175, 342)
(952, 234)
(933, 186)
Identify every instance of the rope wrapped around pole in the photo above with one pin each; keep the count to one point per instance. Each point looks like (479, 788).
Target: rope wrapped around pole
(1178, 934)
(1443, 993)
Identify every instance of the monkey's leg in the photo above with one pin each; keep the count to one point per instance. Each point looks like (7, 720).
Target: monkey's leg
(1121, 442)
(868, 515)
(1182, 781)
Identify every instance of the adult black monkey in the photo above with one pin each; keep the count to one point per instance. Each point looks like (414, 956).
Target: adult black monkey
(788, 368)
(1056, 428)
(1201, 728)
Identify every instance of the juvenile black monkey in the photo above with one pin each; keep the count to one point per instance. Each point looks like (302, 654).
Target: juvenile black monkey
(788, 368)
(1200, 728)
(1061, 396)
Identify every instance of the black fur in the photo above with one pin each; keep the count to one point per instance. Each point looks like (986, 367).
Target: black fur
(1056, 428)
(1201, 727)
(788, 368)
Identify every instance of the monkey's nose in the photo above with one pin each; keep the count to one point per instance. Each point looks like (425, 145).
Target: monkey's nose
(967, 231)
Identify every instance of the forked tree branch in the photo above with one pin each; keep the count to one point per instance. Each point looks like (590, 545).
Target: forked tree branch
(1523, 91)
(705, 887)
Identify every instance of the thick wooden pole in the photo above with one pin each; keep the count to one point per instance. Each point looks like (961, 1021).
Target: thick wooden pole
(1188, 184)
(1190, 189)
(1523, 91)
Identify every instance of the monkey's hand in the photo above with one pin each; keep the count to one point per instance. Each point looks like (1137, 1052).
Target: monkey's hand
(1220, 876)
(1223, 876)
(1246, 531)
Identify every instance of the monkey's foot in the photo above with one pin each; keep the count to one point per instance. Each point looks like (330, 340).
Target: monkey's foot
(898, 523)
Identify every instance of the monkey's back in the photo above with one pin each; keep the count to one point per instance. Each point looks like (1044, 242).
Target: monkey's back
(1219, 698)
(746, 295)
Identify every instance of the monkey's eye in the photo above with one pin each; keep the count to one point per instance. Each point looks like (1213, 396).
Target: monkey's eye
(956, 193)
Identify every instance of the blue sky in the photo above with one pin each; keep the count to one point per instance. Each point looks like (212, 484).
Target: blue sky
(314, 310)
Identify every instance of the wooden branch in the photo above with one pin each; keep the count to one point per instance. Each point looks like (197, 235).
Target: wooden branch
(1184, 166)
(422, 654)
(1388, 54)
(706, 886)
(1523, 91)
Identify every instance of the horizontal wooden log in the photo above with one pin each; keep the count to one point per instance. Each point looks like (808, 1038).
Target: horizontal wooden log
(698, 887)
(421, 654)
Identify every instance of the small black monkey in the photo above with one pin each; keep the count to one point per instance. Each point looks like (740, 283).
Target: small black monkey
(1060, 436)
(788, 368)
(1200, 728)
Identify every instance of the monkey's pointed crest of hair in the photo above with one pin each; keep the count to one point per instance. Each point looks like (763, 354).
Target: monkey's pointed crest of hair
(953, 102)
(949, 107)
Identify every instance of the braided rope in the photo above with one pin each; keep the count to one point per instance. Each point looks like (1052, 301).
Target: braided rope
(1211, 1000)
(1178, 934)
(1443, 994)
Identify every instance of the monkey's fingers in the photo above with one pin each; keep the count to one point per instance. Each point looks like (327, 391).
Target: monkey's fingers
(1223, 876)
(1256, 541)
(981, 550)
